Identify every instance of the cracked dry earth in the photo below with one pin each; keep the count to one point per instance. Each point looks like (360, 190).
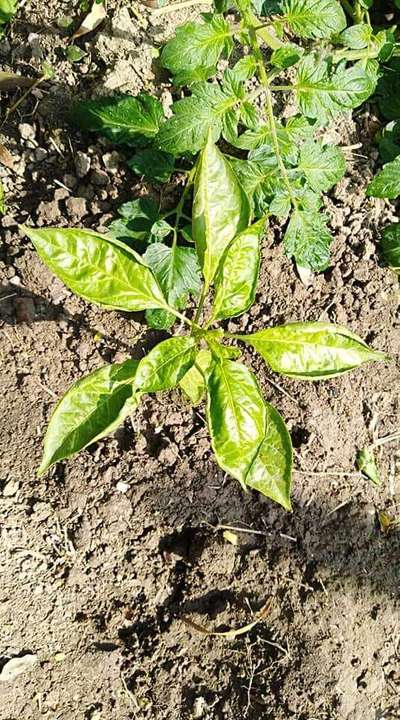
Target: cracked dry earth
(104, 557)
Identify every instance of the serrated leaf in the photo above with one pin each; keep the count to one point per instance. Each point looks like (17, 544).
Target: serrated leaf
(365, 462)
(271, 470)
(98, 268)
(286, 56)
(220, 208)
(391, 245)
(177, 271)
(123, 119)
(323, 93)
(289, 137)
(235, 416)
(314, 18)
(307, 239)
(237, 275)
(194, 118)
(92, 408)
(386, 184)
(155, 165)
(165, 365)
(311, 350)
(193, 382)
(137, 219)
(322, 165)
(260, 180)
(193, 53)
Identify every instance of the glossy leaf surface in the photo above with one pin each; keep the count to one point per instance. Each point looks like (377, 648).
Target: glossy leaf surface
(271, 470)
(237, 275)
(98, 269)
(323, 166)
(122, 118)
(308, 239)
(314, 18)
(165, 365)
(236, 417)
(93, 407)
(220, 208)
(311, 350)
(193, 382)
(154, 165)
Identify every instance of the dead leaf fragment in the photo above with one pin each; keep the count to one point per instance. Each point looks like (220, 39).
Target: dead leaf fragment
(230, 633)
(6, 158)
(96, 16)
(10, 81)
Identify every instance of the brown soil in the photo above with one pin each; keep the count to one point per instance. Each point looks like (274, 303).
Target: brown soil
(104, 557)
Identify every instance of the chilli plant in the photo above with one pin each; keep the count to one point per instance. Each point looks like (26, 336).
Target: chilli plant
(248, 436)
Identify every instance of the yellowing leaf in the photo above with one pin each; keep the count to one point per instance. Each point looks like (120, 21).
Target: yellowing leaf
(92, 21)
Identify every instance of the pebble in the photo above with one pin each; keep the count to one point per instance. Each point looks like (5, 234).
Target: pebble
(26, 131)
(122, 487)
(40, 154)
(11, 488)
(76, 207)
(99, 178)
(69, 180)
(17, 666)
(111, 161)
(82, 164)
(48, 212)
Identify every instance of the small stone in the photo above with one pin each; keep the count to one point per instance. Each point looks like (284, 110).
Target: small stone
(169, 455)
(8, 221)
(99, 178)
(199, 707)
(82, 164)
(76, 207)
(48, 212)
(40, 154)
(70, 181)
(17, 666)
(11, 488)
(26, 131)
(61, 194)
(111, 161)
(122, 487)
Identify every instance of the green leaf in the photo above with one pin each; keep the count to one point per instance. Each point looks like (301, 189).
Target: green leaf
(289, 137)
(322, 165)
(155, 165)
(137, 220)
(93, 407)
(357, 36)
(220, 208)
(236, 417)
(311, 350)
(194, 118)
(8, 8)
(159, 319)
(177, 271)
(286, 56)
(193, 53)
(123, 119)
(389, 142)
(388, 90)
(315, 19)
(307, 239)
(98, 269)
(237, 275)
(386, 184)
(193, 382)
(271, 470)
(391, 245)
(165, 365)
(365, 462)
(322, 93)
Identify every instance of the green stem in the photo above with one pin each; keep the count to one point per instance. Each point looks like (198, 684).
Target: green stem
(265, 82)
(348, 7)
(179, 208)
(200, 305)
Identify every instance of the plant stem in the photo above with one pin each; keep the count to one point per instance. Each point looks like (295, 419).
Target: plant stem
(248, 20)
(200, 305)
(348, 7)
(179, 6)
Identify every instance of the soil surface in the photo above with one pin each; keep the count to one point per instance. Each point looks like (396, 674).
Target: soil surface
(105, 556)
